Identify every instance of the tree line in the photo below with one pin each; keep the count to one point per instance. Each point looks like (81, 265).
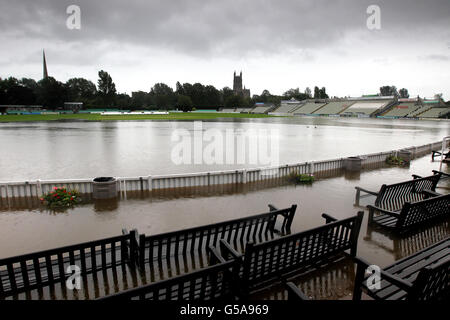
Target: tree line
(52, 94)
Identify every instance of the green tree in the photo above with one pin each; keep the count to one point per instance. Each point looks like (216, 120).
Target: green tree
(15, 92)
(163, 96)
(140, 100)
(388, 91)
(308, 92)
(184, 103)
(106, 88)
(234, 101)
(403, 93)
(323, 94)
(316, 92)
(123, 101)
(81, 90)
(51, 93)
(226, 92)
(294, 93)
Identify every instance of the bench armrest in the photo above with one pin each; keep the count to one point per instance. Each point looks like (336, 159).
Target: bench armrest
(441, 173)
(227, 250)
(367, 191)
(390, 213)
(415, 176)
(397, 281)
(272, 207)
(294, 293)
(215, 256)
(328, 218)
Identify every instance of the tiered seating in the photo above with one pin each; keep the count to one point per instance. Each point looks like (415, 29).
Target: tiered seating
(261, 109)
(365, 107)
(417, 113)
(228, 110)
(435, 112)
(403, 109)
(334, 107)
(288, 107)
(309, 108)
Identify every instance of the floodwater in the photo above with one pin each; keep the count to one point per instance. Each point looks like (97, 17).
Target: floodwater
(25, 226)
(31, 227)
(80, 149)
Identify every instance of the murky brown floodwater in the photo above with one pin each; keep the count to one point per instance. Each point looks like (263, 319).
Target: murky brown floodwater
(27, 227)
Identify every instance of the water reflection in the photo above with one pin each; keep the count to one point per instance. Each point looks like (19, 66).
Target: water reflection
(400, 246)
(333, 281)
(82, 149)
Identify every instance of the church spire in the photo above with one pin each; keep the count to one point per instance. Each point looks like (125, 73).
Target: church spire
(44, 65)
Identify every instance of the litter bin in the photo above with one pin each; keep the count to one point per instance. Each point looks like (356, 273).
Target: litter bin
(104, 188)
(405, 155)
(353, 164)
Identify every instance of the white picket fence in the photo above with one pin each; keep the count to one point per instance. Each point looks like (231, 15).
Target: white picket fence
(157, 182)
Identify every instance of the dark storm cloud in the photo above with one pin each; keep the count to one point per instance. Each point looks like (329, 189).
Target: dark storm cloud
(231, 28)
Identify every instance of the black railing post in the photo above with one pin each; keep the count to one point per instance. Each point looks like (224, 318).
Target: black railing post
(359, 277)
(133, 246)
(355, 232)
(142, 251)
(291, 217)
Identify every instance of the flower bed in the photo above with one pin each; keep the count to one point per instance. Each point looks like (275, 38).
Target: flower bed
(301, 178)
(61, 198)
(396, 161)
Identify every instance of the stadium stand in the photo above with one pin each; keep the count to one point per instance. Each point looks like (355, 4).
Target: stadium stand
(288, 106)
(229, 110)
(402, 109)
(435, 112)
(365, 107)
(334, 107)
(262, 108)
(309, 108)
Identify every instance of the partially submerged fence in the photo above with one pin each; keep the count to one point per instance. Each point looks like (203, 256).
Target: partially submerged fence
(160, 182)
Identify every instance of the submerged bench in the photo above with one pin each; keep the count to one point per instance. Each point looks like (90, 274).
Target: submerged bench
(49, 267)
(412, 214)
(392, 197)
(111, 262)
(267, 262)
(215, 282)
(422, 276)
(169, 254)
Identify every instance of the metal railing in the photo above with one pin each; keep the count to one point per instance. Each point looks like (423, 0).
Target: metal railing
(36, 188)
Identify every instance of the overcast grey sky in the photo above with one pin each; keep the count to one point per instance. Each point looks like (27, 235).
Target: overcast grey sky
(277, 44)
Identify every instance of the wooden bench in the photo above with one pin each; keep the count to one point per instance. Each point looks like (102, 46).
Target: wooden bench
(47, 268)
(422, 276)
(216, 282)
(268, 262)
(445, 155)
(392, 197)
(169, 254)
(412, 214)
